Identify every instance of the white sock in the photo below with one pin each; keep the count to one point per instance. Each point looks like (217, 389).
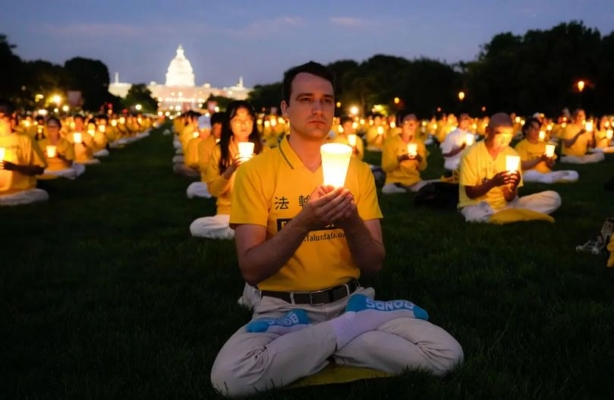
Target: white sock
(363, 314)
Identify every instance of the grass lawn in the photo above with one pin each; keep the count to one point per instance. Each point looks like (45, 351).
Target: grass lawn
(104, 294)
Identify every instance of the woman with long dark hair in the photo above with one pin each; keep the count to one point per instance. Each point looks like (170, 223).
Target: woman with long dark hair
(239, 127)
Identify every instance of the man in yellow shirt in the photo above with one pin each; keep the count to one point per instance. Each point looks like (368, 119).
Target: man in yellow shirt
(304, 245)
(59, 153)
(20, 161)
(577, 140)
(190, 165)
(403, 168)
(377, 134)
(205, 148)
(485, 184)
(536, 165)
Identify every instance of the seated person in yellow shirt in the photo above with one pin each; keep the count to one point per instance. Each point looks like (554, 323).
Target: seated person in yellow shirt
(536, 165)
(577, 140)
(205, 148)
(59, 153)
(223, 163)
(190, 166)
(402, 168)
(347, 135)
(82, 140)
(377, 134)
(485, 184)
(20, 161)
(604, 135)
(304, 245)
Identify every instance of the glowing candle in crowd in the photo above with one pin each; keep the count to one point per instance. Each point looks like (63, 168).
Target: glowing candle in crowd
(609, 133)
(606, 124)
(380, 130)
(273, 122)
(542, 136)
(113, 122)
(393, 125)
(550, 150)
(362, 121)
(512, 163)
(2, 153)
(27, 124)
(340, 129)
(588, 125)
(102, 128)
(217, 140)
(335, 162)
(352, 140)
(469, 139)
(196, 134)
(267, 124)
(91, 132)
(246, 149)
(355, 125)
(122, 120)
(412, 149)
(77, 137)
(51, 151)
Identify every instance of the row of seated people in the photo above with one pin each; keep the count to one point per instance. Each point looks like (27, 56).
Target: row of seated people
(48, 153)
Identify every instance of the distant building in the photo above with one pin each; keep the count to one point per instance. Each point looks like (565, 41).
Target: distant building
(180, 91)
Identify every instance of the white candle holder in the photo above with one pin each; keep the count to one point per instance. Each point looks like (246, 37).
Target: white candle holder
(512, 163)
(51, 151)
(412, 149)
(542, 136)
(550, 150)
(588, 126)
(469, 139)
(609, 134)
(335, 162)
(77, 137)
(246, 149)
(2, 153)
(352, 140)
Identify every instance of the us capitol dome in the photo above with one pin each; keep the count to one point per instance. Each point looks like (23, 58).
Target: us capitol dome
(180, 93)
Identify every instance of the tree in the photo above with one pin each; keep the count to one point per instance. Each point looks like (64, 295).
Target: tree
(140, 94)
(91, 77)
(265, 96)
(13, 75)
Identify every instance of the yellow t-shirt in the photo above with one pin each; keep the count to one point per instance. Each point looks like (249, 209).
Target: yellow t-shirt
(601, 139)
(360, 147)
(406, 172)
(272, 188)
(21, 150)
(191, 154)
(62, 147)
(178, 125)
(476, 166)
(580, 147)
(205, 148)
(186, 135)
(529, 152)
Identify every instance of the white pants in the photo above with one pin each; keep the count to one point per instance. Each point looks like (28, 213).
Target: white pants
(585, 159)
(90, 162)
(176, 144)
(26, 197)
(184, 170)
(253, 362)
(166, 132)
(550, 177)
(609, 149)
(178, 159)
(198, 189)
(216, 227)
(544, 202)
(69, 173)
(101, 153)
(391, 188)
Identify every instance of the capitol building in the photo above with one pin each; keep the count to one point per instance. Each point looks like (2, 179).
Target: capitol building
(180, 91)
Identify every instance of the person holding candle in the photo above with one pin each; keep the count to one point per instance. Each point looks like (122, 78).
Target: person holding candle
(455, 142)
(225, 159)
(190, 165)
(59, 153)
(401, 167)
(21, 159)
(205, 148)
(347, 135)
(536, 163)
(376, 134)
(487, 184)
(603, 136)
(577, 138)
(83, 141)
(304, 245)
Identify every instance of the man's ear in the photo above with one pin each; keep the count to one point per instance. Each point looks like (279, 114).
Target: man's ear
(284, 107)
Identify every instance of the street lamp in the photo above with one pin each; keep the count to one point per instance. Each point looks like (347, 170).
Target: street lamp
(138, 107)
(354, 110)
(397, 100)
(57, 99)
(461, 95)
(581, 85)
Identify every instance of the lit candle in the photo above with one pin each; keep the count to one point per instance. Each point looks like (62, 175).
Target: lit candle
(393, 125)
(267, 124)
(335, 162)
(512, 163)
(196, 134)
(380, 130)
(2, 153)
(51, 151)
(102, 128)
(27, 124)
(217, 140)
(352, 140)
(122, 120)
(549, 127)
(609, 134)
(113, 122)
(77, 137)
(588, 125)
(355, 125)
(362, 121)
(340, 130)
(412, 149)
(246, 149)
(469, 139)
(550, 150)
(542, 136)
(606, 124)
(91, 132)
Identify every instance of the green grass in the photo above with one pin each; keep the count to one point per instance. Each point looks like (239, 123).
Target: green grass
(104, 294)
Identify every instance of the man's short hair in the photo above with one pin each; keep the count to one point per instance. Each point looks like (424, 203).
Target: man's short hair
(500, 119)
(6, 107)
(218, 118)
(312, 68)
(529, 122)
(345, 119)
(406, 114)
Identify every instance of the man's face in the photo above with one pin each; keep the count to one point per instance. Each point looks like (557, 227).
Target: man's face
(53, 129)
(348, 128)
(409, 126)
(533, 131)
(242, 124)
(464, 123)
(580, 118)
(5, 124)
(78, 124)
(216, 130)
(499, 137)
(311, 107)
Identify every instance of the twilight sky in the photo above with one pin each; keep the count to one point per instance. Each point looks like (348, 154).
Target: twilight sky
(259, 40)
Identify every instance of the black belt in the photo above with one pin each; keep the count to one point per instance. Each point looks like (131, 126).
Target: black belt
(317, 297)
